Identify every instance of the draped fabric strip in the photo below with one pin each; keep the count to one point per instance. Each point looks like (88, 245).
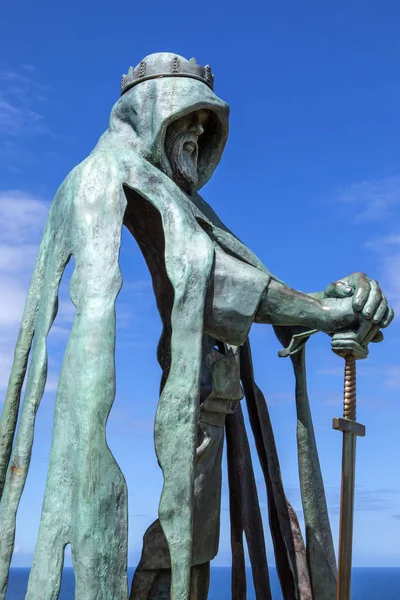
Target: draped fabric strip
(245, 513)
(290, 552)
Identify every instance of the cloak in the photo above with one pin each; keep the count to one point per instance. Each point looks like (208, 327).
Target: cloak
(127, 180)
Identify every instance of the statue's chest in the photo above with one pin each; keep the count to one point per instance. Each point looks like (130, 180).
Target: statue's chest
(233, 296)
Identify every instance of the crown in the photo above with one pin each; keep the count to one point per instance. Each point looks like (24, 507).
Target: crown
(164, 64)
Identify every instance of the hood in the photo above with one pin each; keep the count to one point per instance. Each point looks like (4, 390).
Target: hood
(143, 114)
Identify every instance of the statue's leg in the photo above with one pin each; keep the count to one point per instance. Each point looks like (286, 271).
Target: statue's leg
(156, 585)
(99, 542)
(45, 576)
(153, 574)
(152, 578)
(151, 585)
(48, 560)
(200, 582)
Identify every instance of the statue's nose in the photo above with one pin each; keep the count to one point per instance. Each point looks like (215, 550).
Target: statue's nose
(196, 127)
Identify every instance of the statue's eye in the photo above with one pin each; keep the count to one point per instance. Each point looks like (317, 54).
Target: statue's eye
(204, 116)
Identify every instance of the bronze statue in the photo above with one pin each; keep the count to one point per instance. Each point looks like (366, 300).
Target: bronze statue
(166, 136)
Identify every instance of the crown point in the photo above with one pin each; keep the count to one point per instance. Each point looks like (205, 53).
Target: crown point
(142, 69)
(175, 65)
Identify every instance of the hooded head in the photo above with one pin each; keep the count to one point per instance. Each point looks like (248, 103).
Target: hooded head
(173, 119)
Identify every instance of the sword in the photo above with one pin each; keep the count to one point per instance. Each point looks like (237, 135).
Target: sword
(347, 345)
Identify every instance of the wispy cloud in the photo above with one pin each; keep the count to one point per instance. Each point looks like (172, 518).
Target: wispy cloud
(366, 499)
(142, 286)
(376, 500)
(276, 399)
(392, 373)
(378, 201)
(22, 218)
(19, 94)
(388, 250)
(16, 120)
(29, 68)
(372, 200)
(21, 99)
(335, 371)
(389, 375)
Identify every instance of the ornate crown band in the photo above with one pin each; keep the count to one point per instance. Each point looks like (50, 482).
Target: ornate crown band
(175, 67)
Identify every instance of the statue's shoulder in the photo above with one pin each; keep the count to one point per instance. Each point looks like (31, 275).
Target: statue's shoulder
(94, 181)
(98, 168)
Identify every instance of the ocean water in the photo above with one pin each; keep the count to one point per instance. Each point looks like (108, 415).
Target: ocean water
(368, 583)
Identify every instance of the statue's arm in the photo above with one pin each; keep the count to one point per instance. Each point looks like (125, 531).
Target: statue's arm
(317, 295)
(344, 303)
(282, 305)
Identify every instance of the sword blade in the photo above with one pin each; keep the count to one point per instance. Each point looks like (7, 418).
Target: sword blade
(351, 429)
(346, 515)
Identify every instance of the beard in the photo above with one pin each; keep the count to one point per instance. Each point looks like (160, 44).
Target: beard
(182, 159)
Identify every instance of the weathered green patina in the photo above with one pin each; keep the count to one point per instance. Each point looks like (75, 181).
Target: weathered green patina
(166, 136)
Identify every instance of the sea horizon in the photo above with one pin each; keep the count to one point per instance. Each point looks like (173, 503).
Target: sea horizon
(368, 583)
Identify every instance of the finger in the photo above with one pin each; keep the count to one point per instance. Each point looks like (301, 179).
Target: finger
(371, 335)
(380, 311)
(378, 338)
(363, 331)
(362, 292)
(338, 289)
(388, 318)
(374, 300)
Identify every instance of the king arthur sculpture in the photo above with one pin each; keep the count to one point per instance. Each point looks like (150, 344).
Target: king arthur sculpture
(166, 136)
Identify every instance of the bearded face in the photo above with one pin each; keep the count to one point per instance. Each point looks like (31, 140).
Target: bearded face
(182, 148)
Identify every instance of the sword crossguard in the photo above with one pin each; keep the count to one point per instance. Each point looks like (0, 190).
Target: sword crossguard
(347, 425)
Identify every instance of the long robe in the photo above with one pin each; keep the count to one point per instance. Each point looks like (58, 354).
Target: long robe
(85, 502)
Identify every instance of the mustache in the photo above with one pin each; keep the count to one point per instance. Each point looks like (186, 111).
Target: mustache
(175, 142)
(184, 166)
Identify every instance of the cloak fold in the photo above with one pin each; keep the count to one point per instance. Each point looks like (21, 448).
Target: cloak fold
(245, 513)
(321, 559)
(85, 501)
(290, 554)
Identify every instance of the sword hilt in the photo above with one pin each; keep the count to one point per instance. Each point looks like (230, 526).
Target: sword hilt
(347, 344)
(350, 389)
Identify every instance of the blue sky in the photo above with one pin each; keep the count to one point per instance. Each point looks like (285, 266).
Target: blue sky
(310, 180)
